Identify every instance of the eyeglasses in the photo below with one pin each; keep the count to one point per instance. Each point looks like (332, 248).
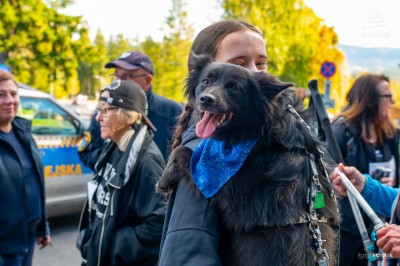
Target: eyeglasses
(127, 76)
(104, 111)
(387, 96)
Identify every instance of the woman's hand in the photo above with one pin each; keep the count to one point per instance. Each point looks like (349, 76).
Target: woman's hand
(389, 240)
(43, 241)
(388, 181)
(355, 177)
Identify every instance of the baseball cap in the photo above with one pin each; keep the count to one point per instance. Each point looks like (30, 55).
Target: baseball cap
(132, 60)
(128, 95)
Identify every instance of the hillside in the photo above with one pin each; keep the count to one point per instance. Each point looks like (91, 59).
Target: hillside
(381, 60)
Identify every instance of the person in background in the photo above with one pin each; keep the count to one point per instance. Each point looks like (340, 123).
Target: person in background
(369, 141)
(23, 216)
(162, 112)
(122, 221)
(384, 200)
(194, 239)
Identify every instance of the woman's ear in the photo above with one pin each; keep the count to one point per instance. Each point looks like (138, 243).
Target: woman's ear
(139, 118)
(134, 118)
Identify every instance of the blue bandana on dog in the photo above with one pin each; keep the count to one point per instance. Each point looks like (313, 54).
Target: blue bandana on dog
(214, 162)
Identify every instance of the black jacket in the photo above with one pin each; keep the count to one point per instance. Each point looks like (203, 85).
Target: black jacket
(132, 223)
(355, 154)
(192, 220)
(352, 147)
(13, 221)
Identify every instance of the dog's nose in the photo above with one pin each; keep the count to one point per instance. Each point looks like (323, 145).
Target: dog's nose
(207, 99)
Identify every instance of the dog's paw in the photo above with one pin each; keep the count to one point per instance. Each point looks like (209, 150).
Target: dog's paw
(178, 167)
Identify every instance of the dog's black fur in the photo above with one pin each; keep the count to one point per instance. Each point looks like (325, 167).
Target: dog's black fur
(259, 203)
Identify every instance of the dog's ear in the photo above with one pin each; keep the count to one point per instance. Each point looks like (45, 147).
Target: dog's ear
(270, 85)
(197, 63)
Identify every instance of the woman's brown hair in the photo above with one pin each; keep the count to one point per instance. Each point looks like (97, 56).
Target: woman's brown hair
(4, 76)
(363, 108)
(207, 42)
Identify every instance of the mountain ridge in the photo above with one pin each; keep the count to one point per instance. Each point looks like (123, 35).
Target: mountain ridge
(380, 59)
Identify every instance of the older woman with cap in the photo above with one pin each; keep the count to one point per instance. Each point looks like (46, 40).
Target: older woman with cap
(122, 221)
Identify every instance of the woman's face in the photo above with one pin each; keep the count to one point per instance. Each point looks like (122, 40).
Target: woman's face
(385, 99)
(245, 48)
(113, 123)
(9, 102)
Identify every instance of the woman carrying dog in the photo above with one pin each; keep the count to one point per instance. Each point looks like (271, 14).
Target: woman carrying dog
(194, 232)
(231, 41)
(122, 220)
(369, 141)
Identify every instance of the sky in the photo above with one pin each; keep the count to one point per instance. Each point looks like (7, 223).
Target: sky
(365, 23)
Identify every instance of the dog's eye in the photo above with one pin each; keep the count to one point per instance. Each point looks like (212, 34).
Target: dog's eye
(231, 85)
(205, 82)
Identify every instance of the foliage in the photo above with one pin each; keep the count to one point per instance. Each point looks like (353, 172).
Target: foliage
(118, 45)
(298, 42)
(41, 45)
(54, 53)
(170, 57)
(92, 74)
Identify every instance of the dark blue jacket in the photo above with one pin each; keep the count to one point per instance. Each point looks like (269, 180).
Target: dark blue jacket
(163, 113)
(13, 220)
(91, 153)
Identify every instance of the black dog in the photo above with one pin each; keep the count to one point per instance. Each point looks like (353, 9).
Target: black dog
(269, 207)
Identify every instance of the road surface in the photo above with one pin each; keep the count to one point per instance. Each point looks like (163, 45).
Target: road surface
(63, 252)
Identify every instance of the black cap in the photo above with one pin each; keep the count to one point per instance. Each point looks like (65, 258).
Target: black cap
(131, 61)
(128, 95)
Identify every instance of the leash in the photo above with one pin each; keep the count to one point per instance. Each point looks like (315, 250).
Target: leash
(354, 196)
(315, 199)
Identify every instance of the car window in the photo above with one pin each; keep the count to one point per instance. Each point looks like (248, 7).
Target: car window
(47, 117)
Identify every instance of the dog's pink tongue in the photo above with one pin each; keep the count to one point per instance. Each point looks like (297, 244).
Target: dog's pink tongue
(207, 125)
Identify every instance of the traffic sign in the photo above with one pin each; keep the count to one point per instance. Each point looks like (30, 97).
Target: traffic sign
(328, 69)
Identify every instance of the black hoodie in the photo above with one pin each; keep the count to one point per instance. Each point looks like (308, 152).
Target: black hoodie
(130, 231)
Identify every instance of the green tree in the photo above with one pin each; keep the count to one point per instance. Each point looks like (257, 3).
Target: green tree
(298, 42)
(170, 57)
(41, 45)
(92, 74)
(117, 45)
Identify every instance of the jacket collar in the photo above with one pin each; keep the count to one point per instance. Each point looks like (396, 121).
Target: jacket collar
(150, 96)
(21, 124)
(126, 166)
